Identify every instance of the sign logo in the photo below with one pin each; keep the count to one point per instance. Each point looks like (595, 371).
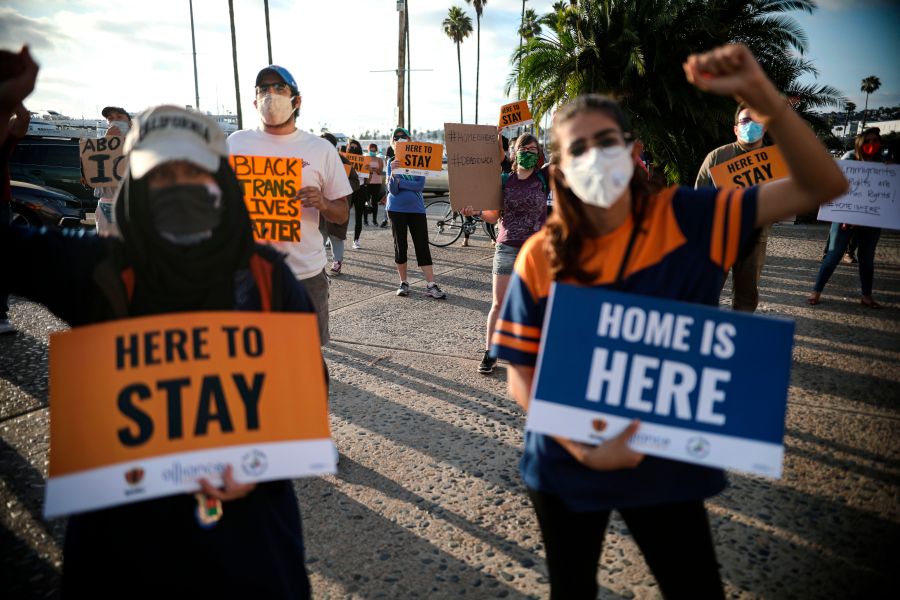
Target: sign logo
(254, 463)
(134, 476)
(698, 447)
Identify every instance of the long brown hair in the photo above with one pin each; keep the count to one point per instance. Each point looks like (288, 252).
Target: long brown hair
(568, 227)
(861, 139)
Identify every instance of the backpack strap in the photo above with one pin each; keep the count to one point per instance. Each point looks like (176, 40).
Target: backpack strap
(261, 269)
(504, 177)
(116, 285)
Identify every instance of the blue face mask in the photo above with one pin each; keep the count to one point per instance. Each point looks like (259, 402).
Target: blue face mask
(750, 133)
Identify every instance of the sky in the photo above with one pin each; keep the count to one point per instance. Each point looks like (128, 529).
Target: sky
(137, 54)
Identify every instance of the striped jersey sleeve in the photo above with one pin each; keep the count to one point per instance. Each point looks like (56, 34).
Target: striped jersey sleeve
(721, 222)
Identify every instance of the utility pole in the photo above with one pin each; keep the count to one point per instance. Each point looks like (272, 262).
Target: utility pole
(408, 76)
(401, 64)
(237, 83)
(194, 46)
(268, 35)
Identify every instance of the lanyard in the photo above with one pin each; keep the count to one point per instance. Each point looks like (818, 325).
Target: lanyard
(632, 238)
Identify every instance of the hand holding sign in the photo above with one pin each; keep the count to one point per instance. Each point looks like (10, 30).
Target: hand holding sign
(311, 197)
(611, 455)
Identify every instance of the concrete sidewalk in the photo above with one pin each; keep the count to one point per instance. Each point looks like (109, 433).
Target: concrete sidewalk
(428, 502)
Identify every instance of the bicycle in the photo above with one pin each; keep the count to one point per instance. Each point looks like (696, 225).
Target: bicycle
(445, 225)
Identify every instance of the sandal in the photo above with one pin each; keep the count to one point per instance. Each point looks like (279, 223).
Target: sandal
(868, 302)
(814, 299)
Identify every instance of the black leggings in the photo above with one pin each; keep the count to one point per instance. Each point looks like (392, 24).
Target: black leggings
(373, 190)
(417, 225)
(674, 538)
(359, 210)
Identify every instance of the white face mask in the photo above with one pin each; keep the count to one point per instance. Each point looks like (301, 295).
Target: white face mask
(275, 110)
(122, 125)
(599, 177)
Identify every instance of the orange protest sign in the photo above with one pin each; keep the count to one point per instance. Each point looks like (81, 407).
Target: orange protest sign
(419, 158)
(359, 161)
(270, 185)
(749, 169)
(515, 114)
(102, 161)
(183, 389)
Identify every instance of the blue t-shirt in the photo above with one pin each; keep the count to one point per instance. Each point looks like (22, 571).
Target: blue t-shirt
(689, 241)
(405, 193)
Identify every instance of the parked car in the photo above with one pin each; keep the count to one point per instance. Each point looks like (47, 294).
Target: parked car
(439, 183)
(37, 205)
(52, 162)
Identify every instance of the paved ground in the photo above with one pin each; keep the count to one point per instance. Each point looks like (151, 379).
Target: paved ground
(428, 503)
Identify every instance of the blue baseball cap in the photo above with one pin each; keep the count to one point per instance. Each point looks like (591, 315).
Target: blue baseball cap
(283, 74)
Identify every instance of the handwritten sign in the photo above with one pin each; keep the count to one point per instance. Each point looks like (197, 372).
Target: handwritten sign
(749, 169)
(873, 199)
(169, 399)
(102, 161)
(690, 373)
(515, 115)
(270, 185)
(359, 161)
(419, 158)
(473, 166)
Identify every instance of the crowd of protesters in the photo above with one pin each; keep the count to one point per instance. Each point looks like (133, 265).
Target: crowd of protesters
(178, 225)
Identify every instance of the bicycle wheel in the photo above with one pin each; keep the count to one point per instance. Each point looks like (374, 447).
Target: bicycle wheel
(444, 225)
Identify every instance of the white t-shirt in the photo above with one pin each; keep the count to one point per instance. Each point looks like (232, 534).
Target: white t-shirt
(322, 167)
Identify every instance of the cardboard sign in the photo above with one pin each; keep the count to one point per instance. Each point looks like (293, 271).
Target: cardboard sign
(102, 161)
(473, 166)
(361, 162)
(873, 199)
(419, 158)
(515, 114)
(749, 169)
(690, 373)
(270, 185)
(166, 400)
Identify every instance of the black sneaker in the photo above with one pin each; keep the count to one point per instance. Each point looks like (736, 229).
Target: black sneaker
(384, 224)
(435, 292)
(403, 290)
(487, 363)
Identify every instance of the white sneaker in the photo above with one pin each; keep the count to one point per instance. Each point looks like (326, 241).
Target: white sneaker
(356, 245)
(435, 292)
(6, 327)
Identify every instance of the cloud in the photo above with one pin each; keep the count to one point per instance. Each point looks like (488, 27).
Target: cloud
(17, 29)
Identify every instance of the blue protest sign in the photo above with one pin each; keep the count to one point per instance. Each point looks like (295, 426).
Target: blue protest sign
(709, 386)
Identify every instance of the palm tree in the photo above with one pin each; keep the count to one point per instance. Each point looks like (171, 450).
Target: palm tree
(869, 85)
(531, 26)
(849, 107)
(458, 26)
(633, 52)
(479, 8)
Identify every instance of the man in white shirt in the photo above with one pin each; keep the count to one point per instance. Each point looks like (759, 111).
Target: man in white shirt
(325, 186)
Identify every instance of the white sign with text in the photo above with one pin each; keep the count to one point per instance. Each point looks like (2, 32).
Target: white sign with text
(873, 199)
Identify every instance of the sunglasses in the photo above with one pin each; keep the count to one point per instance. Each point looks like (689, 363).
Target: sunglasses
(398, 138)
(265, 87)
(745, 121)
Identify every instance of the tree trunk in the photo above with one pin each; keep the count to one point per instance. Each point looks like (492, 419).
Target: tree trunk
(237, 82)
(519, 74)
(268, 35)
(459, 62)
(401, 71)
(477, 69)
(863, 126)
(194, 48)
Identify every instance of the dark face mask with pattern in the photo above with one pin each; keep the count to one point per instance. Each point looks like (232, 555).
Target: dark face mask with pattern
(185, 214)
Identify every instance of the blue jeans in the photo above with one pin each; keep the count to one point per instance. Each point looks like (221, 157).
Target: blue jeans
(867, 239)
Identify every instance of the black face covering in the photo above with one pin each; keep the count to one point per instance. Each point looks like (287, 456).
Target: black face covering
(185, 214)
(175, 278)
